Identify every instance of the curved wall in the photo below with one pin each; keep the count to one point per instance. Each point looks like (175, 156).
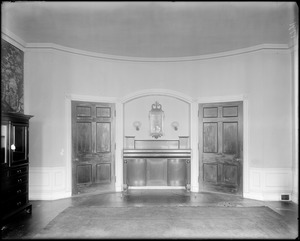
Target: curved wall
(263, 76)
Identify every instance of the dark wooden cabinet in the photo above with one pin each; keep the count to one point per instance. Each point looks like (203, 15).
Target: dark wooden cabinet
(14, 165)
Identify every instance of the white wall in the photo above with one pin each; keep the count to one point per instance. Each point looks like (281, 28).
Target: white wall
(264, 76)
(174, 110)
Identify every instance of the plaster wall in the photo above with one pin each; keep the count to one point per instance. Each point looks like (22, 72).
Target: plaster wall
(174, 110)
(263, 76)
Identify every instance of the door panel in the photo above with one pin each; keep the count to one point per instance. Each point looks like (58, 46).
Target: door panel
(93, 146)
(103, 112)
(103, 137)
(230, 111)
(210, 112)
(210, 137)
(103, 171)
(84, 137)
(84, 174)
(230, 174)
(221, 147)
(230, 137)
(83, 111)
(210, 171)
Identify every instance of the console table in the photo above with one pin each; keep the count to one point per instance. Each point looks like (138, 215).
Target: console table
(156, 167)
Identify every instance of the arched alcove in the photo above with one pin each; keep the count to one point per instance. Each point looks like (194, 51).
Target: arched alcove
(175, 109)
(135, 107)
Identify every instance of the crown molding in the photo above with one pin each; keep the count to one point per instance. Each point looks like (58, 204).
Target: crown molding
(77, 97)
(33, 46)
(14, 39)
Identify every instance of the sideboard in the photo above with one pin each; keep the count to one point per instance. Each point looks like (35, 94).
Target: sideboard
(156, 167)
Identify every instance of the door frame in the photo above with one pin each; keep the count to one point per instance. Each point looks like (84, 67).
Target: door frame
(68, 108)
(244, 100)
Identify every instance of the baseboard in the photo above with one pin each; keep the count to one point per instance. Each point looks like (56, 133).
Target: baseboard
(273, 196)
(255, 196)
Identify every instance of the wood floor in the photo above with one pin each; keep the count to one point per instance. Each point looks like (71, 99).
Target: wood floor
(25, 226)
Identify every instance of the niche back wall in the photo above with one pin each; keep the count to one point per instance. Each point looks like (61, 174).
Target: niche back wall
(174, 110)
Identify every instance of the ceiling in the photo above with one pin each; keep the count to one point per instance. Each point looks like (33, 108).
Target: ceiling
(151, 29)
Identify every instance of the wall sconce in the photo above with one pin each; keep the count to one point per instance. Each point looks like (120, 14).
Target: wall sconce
(175, 125)
(137, 125)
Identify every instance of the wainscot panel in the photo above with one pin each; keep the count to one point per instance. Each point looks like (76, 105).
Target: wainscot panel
(268, 184)
(47, 183)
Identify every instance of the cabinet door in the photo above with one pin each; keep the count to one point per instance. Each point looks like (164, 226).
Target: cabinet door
(136, 172)
(177, 172)
(4, 143)
(157, 172)
(19, 144)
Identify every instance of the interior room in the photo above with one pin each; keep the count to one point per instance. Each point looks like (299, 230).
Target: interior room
(149, 120)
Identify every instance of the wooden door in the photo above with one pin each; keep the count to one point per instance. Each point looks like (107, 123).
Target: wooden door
(93, 147)
(221, 147)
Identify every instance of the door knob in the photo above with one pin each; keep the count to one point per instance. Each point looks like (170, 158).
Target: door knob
(76, 159)
(237, 159)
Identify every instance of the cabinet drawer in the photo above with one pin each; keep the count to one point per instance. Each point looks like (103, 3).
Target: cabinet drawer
(18, 180)
(4, 174)
(13, 182)
(15, 203)
(18, 171)
(15, 191)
